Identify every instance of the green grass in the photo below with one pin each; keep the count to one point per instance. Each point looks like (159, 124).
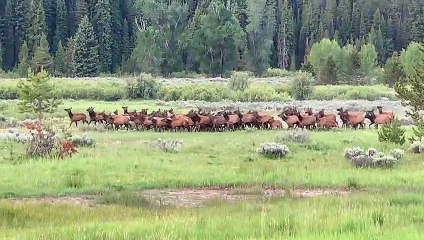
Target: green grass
(122, 159)
(356, 216)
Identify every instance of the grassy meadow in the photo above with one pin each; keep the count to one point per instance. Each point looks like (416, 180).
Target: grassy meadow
(382, 204)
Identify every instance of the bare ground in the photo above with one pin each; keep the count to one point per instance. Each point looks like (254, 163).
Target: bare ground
(183, 198)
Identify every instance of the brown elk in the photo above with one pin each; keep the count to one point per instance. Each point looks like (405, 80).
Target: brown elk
(233, 120)
(321, 114)
(305, 120)
(291, 121)
(377, 119)
(176, 123)
(96, 117)
(76, 117)
(125, 108)
(276, 124)
(380, 111)
(353, 120)
(325, 123)
(263, 121)
(247, 120)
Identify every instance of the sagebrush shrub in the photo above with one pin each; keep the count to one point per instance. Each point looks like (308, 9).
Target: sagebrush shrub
(299, 136)
(83, 141)
(14, 135)
(167, 145)
(278, 72)
(273, 150)
(372, 158)
(417, 146)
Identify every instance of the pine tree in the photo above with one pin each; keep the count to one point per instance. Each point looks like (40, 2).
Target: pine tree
(102, 26)
(42, 58)
(23, 60)
(69, 59)
(61, 34)
(59, 59)
(118, 32)
(412, 91)
(14, 31)
(393, 70)
(81, 11)
(1, 57)
(86, 50)
(329, 73)
(50, 14)
(126, 48)
(285, 37)
(36, 24)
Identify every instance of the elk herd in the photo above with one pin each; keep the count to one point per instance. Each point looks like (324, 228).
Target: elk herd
(200, 120)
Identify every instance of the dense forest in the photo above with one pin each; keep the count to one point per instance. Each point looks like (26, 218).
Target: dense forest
(88, 37)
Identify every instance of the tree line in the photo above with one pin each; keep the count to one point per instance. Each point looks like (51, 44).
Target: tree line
(88, 37)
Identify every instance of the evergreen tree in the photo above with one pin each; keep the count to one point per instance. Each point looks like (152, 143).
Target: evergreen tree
(126, 48)
(69, 59)
(285, 37)
(42, 58)
(393, 70)
(81, 11)
(14, 31)
(329, 73)
(412, 91)
(102, 26)
(36, 24)
(1, 57)
(216, 41)
(61, 34)
(86, 50)
(50, 15)
(59, 59)
(23, 64)
(259, 34)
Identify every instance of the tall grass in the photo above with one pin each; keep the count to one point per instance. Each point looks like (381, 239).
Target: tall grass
(226, 159)
(357, 216)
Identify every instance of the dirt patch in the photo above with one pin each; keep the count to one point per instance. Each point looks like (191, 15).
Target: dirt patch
(200, 197)
(183, 198)
(86, 201)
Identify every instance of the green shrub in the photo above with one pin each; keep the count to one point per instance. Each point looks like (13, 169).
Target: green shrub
(260, 92)
(186, 75)
(347, 92)
(239, 81)
(9, 89)
(144, 87)
(277, 72)
(302, 87)
(392, 132)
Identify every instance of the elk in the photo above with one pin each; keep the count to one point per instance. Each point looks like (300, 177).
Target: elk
(96, 117)
(291, 121)
(377, 119)
(76, 117)
(353, 120)
(380, 111)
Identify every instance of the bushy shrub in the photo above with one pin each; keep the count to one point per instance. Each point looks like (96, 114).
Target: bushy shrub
(8, 122)
(260, 92)
(186, 75)
(239, 81)
(14, 135)
(417, 146)
(9, 89)
(372, 158)
(273, 150)
(299, 136)
(348, 92)
(302, 86)
(144, 87)
(167, 145)
(278, 72)
(392, 132)
(83, 141)
(106, 90)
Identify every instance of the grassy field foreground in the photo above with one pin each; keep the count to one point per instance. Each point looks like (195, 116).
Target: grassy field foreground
(125, 160)
(357, 216)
